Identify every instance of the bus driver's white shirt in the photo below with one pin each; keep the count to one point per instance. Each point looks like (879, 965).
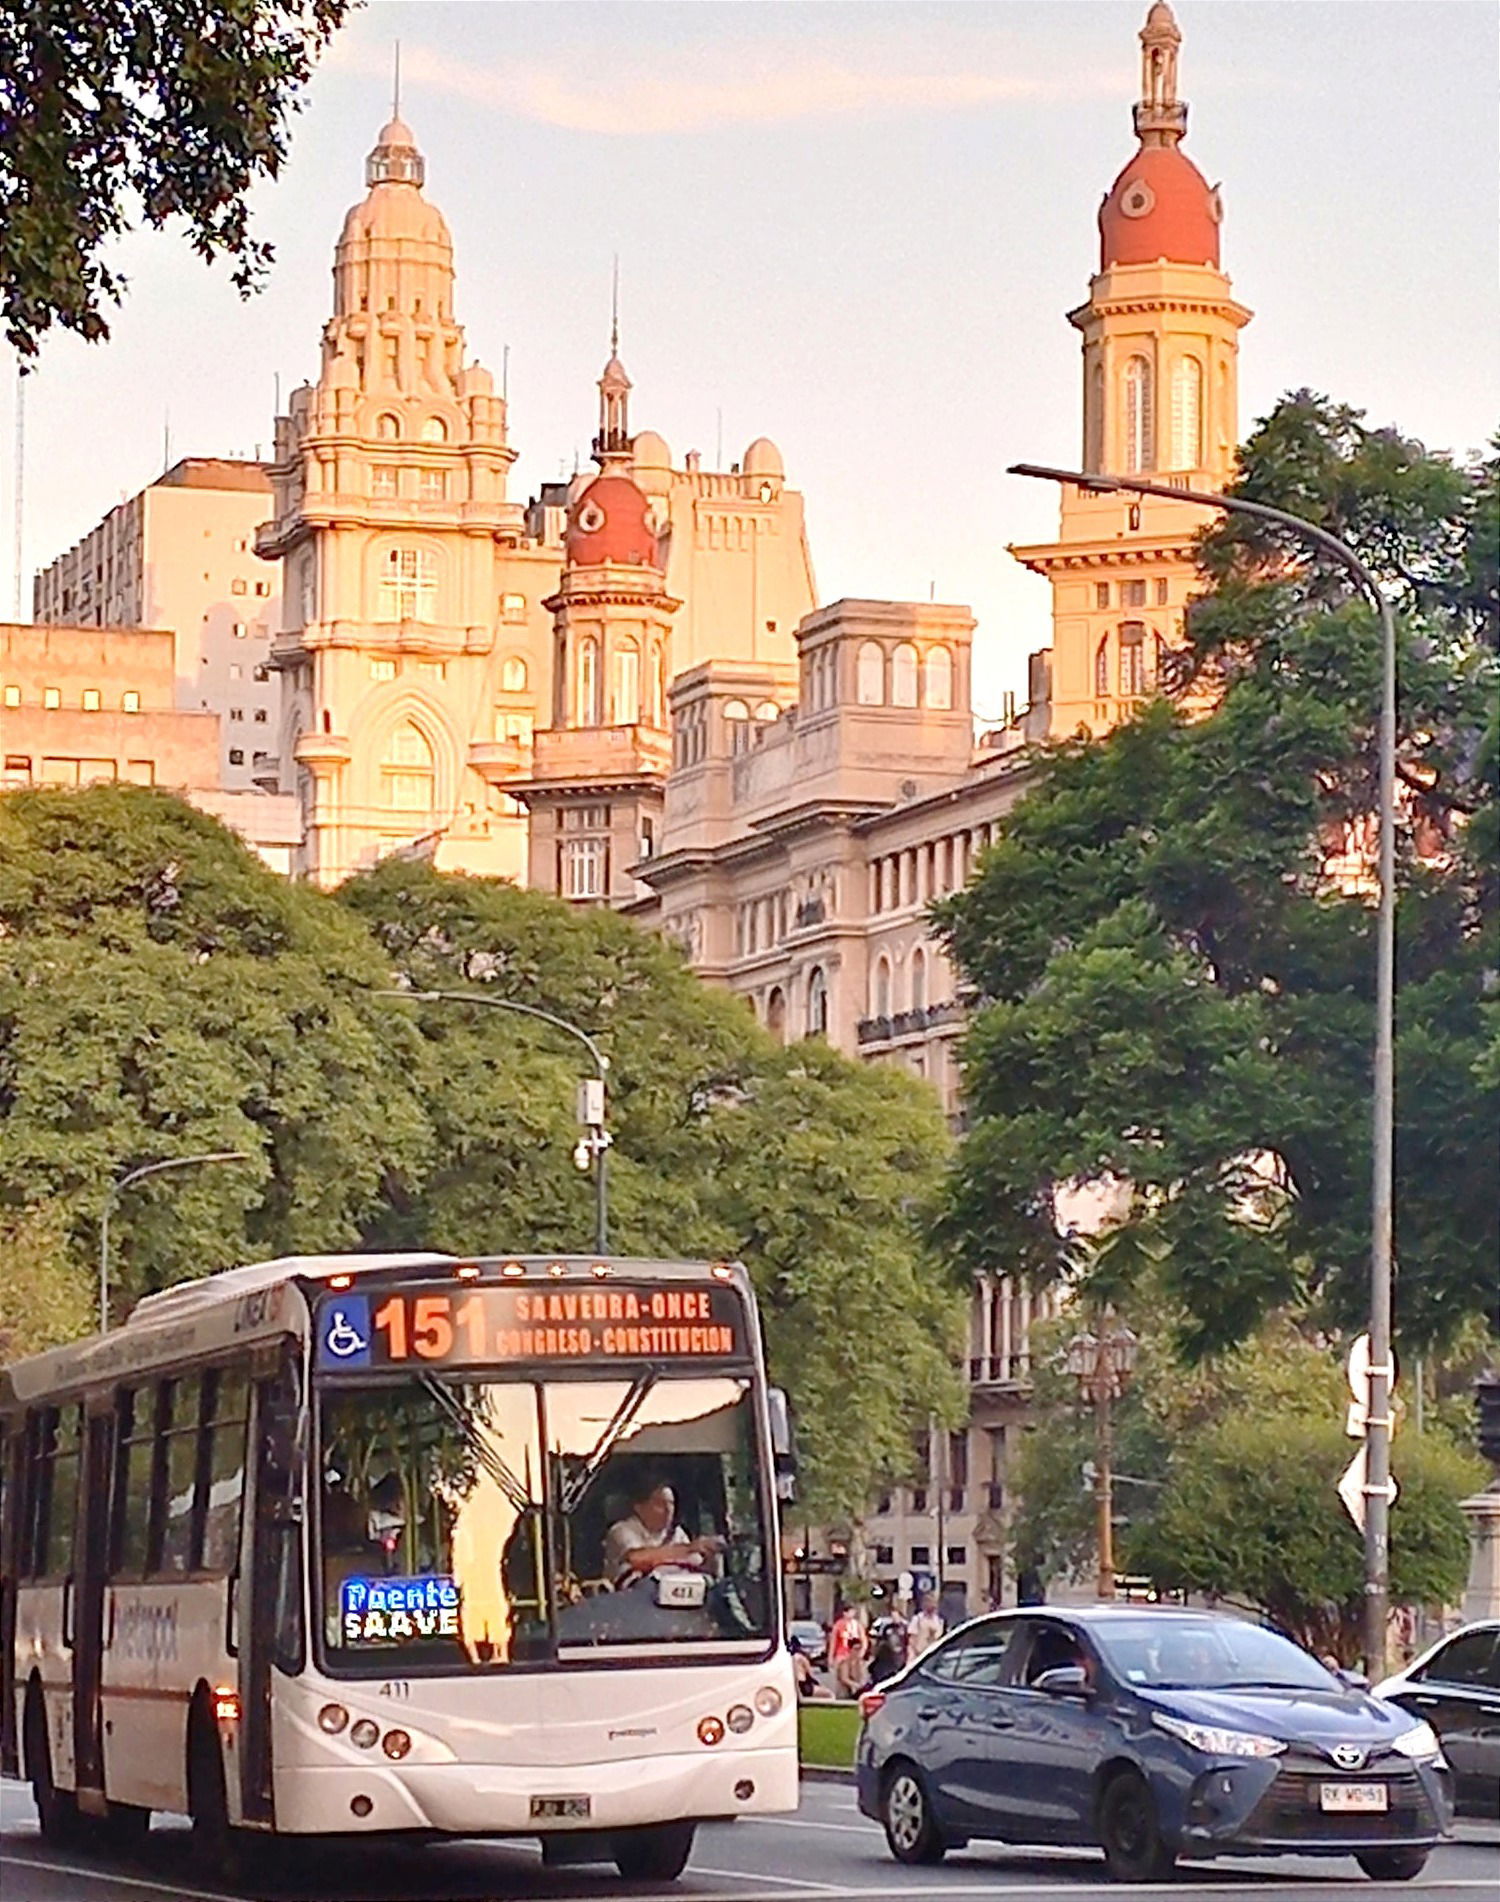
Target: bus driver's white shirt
(628, 1535)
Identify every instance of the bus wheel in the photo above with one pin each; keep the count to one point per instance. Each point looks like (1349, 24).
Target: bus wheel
(656, 1853)
(57, 1810)
(125, 1828)
(215, 1845)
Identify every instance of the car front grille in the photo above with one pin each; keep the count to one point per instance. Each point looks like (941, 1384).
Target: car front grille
(1291, 1809)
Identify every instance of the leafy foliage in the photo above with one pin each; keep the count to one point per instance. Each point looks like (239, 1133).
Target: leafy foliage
(163, 994)
(116, 113)
(45, 1297)
(1177, 977)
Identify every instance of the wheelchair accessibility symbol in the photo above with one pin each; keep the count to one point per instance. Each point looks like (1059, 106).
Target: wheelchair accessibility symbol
(344, 1340)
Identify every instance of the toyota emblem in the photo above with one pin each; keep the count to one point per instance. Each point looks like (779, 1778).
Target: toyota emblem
(1348, 1756)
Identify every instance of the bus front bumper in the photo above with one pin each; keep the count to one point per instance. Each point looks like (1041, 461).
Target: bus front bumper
(469, 1799)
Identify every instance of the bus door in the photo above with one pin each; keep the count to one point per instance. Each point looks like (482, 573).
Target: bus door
(90, 1564)
(269, 1596)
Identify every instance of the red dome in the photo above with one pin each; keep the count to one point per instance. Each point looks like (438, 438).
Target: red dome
(608, 523)
(1160, 206)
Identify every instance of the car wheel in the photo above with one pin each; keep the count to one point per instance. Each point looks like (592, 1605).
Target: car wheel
(910, 1828)
(656, 1853)
(1392, 1865)
(1129, 1833)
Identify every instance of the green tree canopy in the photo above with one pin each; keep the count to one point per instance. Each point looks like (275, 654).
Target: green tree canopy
(117, 114)
(1173, 940)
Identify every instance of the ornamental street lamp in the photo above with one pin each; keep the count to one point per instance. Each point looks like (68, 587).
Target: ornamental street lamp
(594, 1144)
(1102, 1363)
(1377, 1486)
(117, 1189)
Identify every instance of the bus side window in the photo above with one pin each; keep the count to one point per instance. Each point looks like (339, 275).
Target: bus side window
(136, 1455)
(179, 1462)
(222, 1473)
(57, 1505)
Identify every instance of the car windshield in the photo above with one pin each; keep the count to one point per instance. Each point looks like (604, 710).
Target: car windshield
(475, 1524)
(1221, 1654)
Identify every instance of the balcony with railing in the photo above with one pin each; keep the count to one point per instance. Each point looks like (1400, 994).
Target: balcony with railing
(909, 1023)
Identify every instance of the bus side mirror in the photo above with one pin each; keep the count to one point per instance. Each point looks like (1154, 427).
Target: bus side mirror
(783, 1445)
(282, 1436)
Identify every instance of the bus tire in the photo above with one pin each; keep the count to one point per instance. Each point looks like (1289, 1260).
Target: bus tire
(657, 1852)
(125, 1828)
(216, 1846)
(56, 1810)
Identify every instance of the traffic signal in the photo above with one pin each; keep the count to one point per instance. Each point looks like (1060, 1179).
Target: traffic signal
(1487, 1392)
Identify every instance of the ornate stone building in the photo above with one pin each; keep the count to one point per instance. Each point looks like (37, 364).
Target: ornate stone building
(1160, 334)
(424, 617)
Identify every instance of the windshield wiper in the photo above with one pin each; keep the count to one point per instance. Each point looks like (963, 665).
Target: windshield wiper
(483, 1449)
(574, 1489)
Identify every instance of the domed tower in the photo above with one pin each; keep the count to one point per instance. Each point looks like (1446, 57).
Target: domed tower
(391, 515)
(1160, 334)
(599, 771)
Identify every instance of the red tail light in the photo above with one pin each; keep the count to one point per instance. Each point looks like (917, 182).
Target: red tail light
(869, 1703)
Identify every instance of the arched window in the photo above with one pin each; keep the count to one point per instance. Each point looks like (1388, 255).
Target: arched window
(1132, 660)
(869, 688)
(586, 708)
(767, 711)
(513, 674)
(1140, 424)
(434, 429)
(406, 770)
(627, 684)
(939, 682)
(817, 1003)
(388, 427)
(1101, 669)
(1187, 413)
(919, 979)
(904, 675)
(776, 1014)
(408, 585)
(880, 990)
(737, 715)
(1093, 446)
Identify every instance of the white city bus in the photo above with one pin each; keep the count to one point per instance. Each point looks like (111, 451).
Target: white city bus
(351, 1544)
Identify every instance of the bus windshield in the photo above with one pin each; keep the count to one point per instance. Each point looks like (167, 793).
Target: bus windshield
(470, 1523)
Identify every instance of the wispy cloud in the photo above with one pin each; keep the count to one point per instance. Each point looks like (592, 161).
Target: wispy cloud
(696, 90)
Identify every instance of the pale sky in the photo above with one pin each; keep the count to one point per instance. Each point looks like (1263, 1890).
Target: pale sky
(852, 227)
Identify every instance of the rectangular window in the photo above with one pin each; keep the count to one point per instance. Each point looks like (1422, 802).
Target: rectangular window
(263, 588)
(382, 670)
(585, 863)
(1101, 594)
(1133, 594)
(57, 1498)
(236, 756)
(261, 716)
(433, 485)
(177, 1463)
(226, 1412)
(1161, 591)
(585, 818)
(236, 671)
(17, 770)
(140, 772)
(956, 1555)
(921, 1555)
(130, 701)
(59, 772)
(130, 1534)
(238, 587)
(261, 673)
(383, 483)
(241, 630)
(237, 715)
(52, 698)
(12, 696)
(885, 1555)
(91, 700)
(513, 607)
(408, 585)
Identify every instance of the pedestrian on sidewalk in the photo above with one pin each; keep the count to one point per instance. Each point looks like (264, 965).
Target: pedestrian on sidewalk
(848, 1648)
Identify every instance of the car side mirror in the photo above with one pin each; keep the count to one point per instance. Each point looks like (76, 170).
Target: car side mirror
(1353, 1680)
(783, 1445)
(1063, 1680)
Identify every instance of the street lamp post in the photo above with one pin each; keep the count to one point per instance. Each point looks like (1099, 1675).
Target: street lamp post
(594, 1145)
(1102, 1363)
(118, 1188)
(1377, 1487)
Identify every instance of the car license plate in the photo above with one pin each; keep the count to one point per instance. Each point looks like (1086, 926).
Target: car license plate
(570, 1809)
(1364, 1797)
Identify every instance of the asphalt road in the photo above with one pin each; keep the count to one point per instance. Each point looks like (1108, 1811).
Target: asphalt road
(826, 1849)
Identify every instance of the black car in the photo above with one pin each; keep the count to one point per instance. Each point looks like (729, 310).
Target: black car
(1455, 1687)
(1152, 1733)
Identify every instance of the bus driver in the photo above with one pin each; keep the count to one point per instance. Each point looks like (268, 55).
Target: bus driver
(649, 1536)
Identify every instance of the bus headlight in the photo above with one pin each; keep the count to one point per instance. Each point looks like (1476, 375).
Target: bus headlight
(395, 1744)
(768, 1700)
(740, 1718)
(710, 1730)
(366, 1733)
(332, 1718)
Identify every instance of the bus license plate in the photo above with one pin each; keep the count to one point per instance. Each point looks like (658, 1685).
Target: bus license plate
(1353, 1796)
(562, 1808)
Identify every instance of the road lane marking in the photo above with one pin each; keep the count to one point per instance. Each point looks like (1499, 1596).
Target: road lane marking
(761, 1875)
(173, 1889)
(797, 1822)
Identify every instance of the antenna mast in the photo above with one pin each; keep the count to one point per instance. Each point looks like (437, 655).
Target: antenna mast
(20, 502)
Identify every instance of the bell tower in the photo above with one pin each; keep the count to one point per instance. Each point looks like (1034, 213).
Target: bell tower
(1160, 337)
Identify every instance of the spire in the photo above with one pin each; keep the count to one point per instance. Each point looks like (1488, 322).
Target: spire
(1160, 117)
(612, 444)
(396, 82)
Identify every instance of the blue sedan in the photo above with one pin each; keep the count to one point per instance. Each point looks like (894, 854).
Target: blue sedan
(1152, 1733)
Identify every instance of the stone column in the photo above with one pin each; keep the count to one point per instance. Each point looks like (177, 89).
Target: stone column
(1482, 1595)
(1007, 1289)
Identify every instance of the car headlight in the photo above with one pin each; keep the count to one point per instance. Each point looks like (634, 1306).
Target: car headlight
(1214, 1742)
(1420, 1741)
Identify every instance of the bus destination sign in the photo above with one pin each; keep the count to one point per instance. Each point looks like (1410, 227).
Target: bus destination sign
(470, 1326)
